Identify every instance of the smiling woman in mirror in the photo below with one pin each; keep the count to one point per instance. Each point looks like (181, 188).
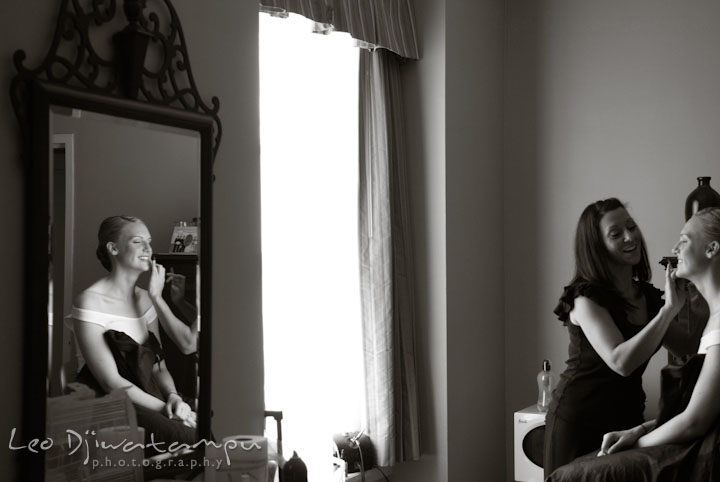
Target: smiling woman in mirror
(116, 325)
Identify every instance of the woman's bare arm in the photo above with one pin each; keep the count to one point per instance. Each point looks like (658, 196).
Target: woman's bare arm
(702, 411)
(102, 365)
(184, 336)
(622, 356)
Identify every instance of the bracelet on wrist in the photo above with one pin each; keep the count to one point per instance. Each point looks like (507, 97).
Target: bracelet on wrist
(167, 398)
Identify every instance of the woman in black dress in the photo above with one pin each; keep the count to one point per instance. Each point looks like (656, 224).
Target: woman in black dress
(616, 320)
(683, 444)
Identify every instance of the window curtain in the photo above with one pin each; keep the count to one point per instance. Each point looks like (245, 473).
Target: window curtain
(387, 24)
(386, 274)
(386, 28)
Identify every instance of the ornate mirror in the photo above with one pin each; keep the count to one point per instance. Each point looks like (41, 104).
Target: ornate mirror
(113, 124)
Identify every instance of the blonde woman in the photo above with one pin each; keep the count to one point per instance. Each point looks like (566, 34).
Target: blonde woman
(116, 325)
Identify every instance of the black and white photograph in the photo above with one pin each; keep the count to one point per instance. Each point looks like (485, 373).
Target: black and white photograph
(360, 241)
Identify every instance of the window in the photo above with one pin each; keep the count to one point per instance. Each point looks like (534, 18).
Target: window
(311, 297)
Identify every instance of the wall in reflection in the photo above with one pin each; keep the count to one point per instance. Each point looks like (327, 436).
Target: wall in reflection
(127, 167)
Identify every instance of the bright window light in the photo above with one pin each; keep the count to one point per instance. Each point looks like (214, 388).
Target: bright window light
(309, 170)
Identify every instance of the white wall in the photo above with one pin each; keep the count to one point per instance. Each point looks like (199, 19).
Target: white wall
(222, 43)
(603, 99)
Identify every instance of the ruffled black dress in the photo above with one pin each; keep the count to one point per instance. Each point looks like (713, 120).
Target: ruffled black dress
(590, 398)
(697, 461)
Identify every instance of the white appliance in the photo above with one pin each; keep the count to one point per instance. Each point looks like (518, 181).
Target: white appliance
(529, 428)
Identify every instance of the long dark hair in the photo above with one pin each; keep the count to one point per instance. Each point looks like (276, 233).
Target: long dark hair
(110, 232)
(592, 259)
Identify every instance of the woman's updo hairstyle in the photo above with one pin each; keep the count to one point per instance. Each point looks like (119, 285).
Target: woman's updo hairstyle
(109, 232)
(710, 222)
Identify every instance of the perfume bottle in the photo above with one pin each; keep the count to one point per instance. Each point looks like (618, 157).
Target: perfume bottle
(546, 383)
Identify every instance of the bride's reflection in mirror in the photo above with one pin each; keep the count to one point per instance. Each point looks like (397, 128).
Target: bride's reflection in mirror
(113, 123)
(116, 323)
(125, 301)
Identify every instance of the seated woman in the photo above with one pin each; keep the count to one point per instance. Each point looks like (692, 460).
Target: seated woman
(683, 443)
(116, 325)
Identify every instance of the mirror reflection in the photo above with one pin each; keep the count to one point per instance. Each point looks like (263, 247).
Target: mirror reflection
(124, 277)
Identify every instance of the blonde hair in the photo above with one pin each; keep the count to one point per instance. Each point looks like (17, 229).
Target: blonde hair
(709, 219)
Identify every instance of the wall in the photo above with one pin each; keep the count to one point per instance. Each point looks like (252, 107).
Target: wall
(223, 37)
(16, 33)
(132, 168)
(474, 192)
(454, 120)
(222, 43)
(602, 99)
(426, 170)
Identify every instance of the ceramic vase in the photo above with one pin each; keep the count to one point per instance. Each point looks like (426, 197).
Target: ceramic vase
(703, 196)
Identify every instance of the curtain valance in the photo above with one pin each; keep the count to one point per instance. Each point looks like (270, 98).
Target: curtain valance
(388, 24)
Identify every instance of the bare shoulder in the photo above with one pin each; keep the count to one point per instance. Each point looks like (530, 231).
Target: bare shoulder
(712, 324)
(585, 309)
(711, 371)
(91, 298)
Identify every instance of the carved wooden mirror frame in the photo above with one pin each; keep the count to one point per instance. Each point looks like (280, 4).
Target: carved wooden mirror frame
(116, 78)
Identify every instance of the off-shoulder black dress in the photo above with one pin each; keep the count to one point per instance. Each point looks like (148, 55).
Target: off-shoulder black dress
(590, 398)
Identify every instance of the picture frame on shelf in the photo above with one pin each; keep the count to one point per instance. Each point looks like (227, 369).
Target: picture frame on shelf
(184, 238)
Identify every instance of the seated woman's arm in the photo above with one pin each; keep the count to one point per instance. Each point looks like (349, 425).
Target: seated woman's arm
(102, 365)
(175, 406)
(702, 410)
(697, 418)
(624, 439)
